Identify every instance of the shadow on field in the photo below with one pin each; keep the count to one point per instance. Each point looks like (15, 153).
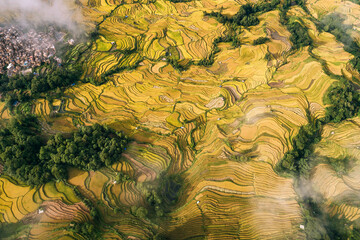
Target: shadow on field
(193, 229)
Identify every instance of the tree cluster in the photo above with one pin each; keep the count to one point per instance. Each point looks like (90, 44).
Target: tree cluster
(246, 16)
(355, 63)
(355, 1)
(179, 65)
(208, 61)
(299, 34)
(297, 160)
(235, 42)
(165, 196)
(169, 189)
(49, 77)
(261, 40)
(231, 37)
(20, 143)
(240, 158)
(14, 230)
(139, 212)
(334, 24)
(86, 229)
(89, 148)
(321, 225)
(122, 177)
(286, 4)
(31, 158)
(160, 200)
(341, 165)
(345, 103)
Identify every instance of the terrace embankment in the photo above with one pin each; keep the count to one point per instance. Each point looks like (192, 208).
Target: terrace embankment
(224, 127)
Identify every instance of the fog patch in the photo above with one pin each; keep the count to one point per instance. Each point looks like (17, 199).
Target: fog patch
(38, 13)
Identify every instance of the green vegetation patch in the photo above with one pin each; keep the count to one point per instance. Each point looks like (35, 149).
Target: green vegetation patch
(296, 160)
(334, 24)
(246, 16)
(44, 79)
(261, 40)
(299, 34)
(87, 230)
(321, 225)
(345, 103)
(160, 199)
(17, 230)
(33, 159)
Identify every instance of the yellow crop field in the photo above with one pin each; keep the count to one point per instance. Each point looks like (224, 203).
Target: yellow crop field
(214, 96)
(219, 194)
(17, 201)
(339, 141)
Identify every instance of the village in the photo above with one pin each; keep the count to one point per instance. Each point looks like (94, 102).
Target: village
(21, 51)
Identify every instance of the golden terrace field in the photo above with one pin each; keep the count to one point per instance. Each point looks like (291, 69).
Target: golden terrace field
(193, 122)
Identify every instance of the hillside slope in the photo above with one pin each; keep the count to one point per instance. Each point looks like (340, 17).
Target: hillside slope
(224, 127)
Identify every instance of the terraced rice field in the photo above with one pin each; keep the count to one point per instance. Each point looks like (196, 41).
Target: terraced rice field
(339, 191)
(195, 121)
(18, 201)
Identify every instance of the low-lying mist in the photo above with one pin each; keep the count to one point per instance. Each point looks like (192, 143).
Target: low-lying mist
(37, 13)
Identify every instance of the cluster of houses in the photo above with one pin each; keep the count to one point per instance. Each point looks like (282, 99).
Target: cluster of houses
(21, 51)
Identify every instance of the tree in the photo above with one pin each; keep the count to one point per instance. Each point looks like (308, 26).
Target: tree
(30, 158)
(299, 34)
(141, 212)
(345, 103)
(261, 40)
